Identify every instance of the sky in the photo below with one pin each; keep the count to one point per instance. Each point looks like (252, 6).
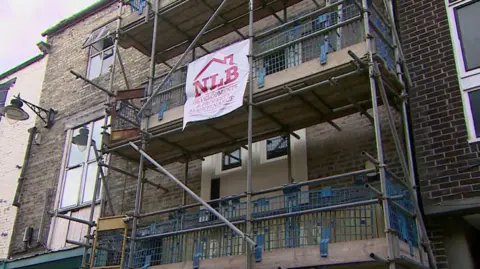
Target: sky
(23, 21)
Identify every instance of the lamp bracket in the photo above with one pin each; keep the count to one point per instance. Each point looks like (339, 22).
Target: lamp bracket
(47, 116)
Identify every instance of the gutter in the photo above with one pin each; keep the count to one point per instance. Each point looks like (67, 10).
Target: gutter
(65, 23)
(22, 65)
(26, 159)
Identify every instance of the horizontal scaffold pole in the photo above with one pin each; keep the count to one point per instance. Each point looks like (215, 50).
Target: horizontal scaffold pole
(86, 222)
(277, 216)
(238, 196)
(320, 180)
(283, 215)
(77, 75)
(193, 194)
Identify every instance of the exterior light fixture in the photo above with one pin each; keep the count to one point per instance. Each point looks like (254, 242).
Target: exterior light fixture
(81, 139)
(14, 112)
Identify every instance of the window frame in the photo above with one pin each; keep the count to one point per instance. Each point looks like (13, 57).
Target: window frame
(469, 81)
(80, 202)
(456, 37)
(226, 167)
(276, 156)
(102, 60)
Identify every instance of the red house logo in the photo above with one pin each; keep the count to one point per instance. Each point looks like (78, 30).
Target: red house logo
(217, 80)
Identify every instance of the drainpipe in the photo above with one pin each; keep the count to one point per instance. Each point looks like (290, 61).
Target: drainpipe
(16, 200)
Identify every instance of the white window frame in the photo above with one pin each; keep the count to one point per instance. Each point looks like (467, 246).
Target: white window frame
(469, 80)
(93, 55)
(84, 165)
(97, 37)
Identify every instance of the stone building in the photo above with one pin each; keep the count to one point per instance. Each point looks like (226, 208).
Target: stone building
(319, 198)
(23, 80)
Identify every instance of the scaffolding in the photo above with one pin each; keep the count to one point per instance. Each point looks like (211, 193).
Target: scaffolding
(239, 221)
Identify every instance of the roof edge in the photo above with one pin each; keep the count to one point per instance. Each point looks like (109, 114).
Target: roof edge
(45, 257)
(22, 65)
(97, 6)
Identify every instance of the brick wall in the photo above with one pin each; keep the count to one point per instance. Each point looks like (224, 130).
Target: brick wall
(437, 114)
(442, 149)
(332, 152)
(436, 234)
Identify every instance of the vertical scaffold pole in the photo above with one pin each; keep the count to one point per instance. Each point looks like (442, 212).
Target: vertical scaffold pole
(144, 127)
(185, 181)
(289, 158)
(250, 139)
(92, 146)
(400, 60)
(378, 135)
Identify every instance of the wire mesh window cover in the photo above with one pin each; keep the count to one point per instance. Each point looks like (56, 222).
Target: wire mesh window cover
(231, 159)
(81, 168)
(277, 147)
(305, 40)
(341, 225)
(108, 248)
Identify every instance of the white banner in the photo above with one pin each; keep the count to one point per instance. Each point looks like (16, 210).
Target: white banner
(216, 83)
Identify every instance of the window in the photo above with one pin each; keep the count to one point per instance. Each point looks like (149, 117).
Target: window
(463, 19)
(467, 20)
(81, 169)
(231, 159)
(100, 52)
(277, 147)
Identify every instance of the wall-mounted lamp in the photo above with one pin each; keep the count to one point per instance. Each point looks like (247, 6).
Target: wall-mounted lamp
(14, 112)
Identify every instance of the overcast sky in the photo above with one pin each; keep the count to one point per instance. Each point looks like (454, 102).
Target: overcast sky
(22, 21)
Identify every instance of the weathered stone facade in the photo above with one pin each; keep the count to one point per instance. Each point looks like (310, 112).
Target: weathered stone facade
(329, 151)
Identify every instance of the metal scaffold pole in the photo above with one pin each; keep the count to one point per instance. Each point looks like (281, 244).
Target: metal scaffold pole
(403, 70)
(144, 128)
(378, 136)
(164, 171)
(93, 146)
(184, 55)
(250, 137)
